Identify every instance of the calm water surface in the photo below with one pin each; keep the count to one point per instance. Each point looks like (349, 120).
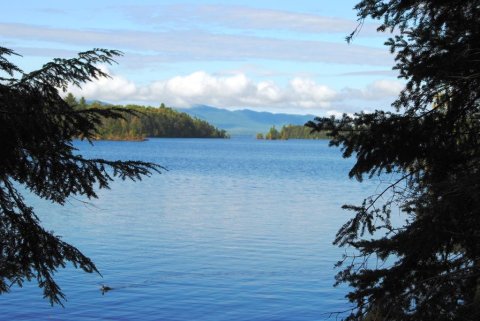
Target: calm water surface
(237, 229)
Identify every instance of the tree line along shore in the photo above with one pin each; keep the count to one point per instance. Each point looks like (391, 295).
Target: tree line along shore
(292, 132)
(139, 122)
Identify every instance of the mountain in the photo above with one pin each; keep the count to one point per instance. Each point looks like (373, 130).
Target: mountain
(245, 121)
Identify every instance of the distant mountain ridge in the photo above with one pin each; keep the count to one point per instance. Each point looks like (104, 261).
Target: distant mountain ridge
(245, 121)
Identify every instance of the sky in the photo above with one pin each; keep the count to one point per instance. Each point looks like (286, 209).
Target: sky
(278, 56)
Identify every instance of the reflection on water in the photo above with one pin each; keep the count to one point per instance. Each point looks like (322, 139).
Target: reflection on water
(236, 230)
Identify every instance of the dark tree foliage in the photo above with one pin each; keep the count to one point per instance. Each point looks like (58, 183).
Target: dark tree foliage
(428, 268)
(36, 131)
(300, 132)
(156, 122)
(292, 132)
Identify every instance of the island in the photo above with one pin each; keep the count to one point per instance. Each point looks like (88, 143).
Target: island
(139, 122)
(292, 132)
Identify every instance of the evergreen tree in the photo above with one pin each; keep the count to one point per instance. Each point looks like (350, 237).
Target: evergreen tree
(272, 134)
(36, 131)
(71, 100)
(428, 268)
(82, 104)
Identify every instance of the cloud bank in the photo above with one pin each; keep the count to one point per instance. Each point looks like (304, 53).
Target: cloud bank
(235, 91)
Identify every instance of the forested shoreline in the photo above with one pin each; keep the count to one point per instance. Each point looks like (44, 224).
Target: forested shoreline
(139, 122)
(292, 132)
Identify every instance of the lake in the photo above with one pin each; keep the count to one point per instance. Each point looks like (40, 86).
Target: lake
(237, 229)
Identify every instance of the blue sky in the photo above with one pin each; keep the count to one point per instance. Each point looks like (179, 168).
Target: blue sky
(281, 56)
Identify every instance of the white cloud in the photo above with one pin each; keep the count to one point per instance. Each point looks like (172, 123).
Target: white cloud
(199, 84)
(387, 87)
(116, 88)
(377, 90)
(227, 91)
(308, 94)
(235, 91)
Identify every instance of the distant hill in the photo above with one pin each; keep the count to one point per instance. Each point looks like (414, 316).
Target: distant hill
(245, 121)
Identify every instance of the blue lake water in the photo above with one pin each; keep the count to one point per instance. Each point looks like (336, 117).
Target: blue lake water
(236, 229)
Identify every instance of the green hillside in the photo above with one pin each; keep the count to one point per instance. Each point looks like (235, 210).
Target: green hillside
(140, 122)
